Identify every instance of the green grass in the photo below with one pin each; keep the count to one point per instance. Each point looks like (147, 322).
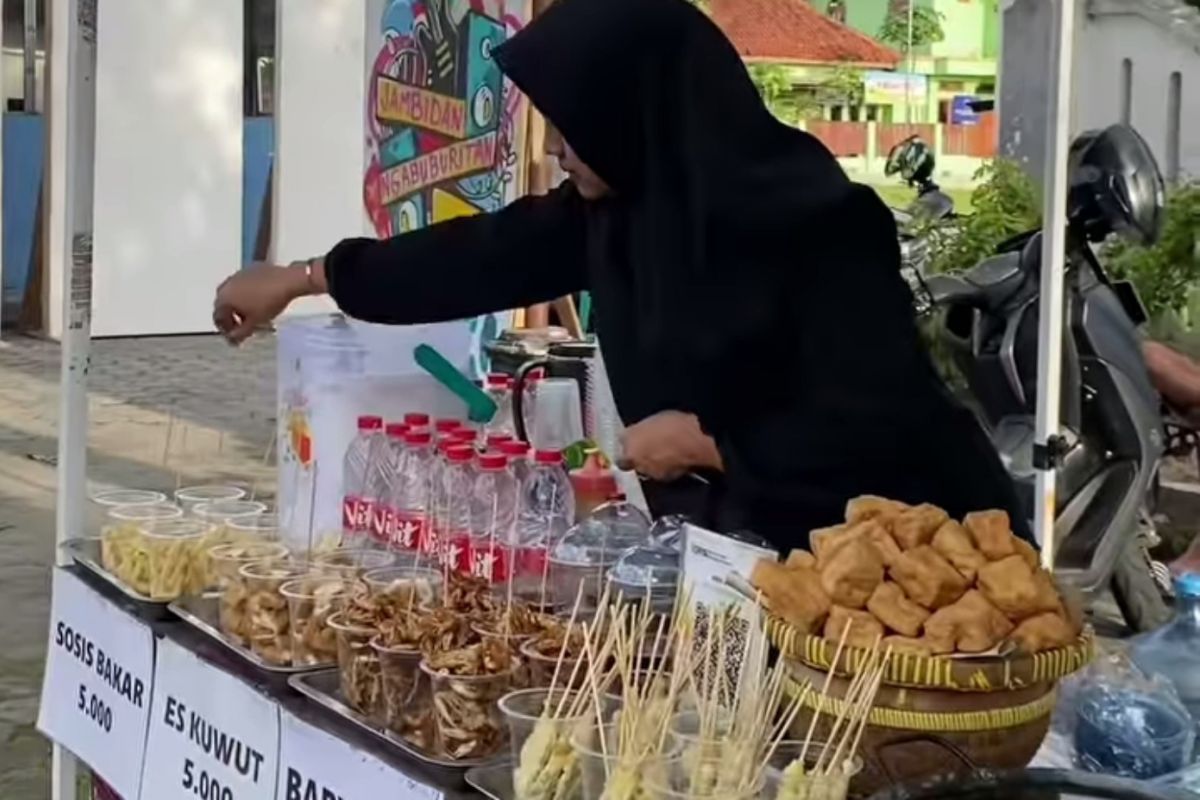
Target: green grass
(899, 196)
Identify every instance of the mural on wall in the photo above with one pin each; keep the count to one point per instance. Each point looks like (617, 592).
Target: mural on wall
(443, 124)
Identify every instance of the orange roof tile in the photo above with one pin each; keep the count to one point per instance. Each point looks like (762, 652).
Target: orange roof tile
(792, 31)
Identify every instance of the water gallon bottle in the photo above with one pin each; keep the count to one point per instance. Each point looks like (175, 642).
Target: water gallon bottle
(546, 509)
(499, 387)
(360, 456)
(454, 535)
(413, 490)
(382, 481)
(1173, 651)
(493, 517)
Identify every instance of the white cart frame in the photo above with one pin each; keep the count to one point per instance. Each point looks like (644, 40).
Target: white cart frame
(73, 26)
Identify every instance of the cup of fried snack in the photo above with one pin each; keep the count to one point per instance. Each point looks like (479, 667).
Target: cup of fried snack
(122, 550)
(466, 687)
(407, 705)
(221, 514)
(540, 725)
(226, 562)
(174, 555)
(353, 563)
(267, 622)
(544, 654)
(312, 600)
(358, 664)
(191, 496)
(406, 587)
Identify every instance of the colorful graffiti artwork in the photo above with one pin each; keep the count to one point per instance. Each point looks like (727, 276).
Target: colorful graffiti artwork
(442, 121)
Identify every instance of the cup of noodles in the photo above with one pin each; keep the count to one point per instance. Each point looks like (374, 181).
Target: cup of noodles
(226, 562)
(121, 547)
(312, 600)
(174, 556)
(191, 496)
(267, 624)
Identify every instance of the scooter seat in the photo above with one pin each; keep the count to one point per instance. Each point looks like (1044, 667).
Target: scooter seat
(987, 286)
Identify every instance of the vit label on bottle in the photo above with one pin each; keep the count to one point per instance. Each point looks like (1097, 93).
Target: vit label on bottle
(212, 737)
(316, 766)
(97, 685)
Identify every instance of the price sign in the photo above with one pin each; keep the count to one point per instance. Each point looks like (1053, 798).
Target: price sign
(97, 686)
(314, 765)
(212, 737)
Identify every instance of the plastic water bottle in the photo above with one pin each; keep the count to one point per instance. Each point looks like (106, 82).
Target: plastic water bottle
(381, 482)
(499, 388)
(546, 509)
(1173, 651)
(452, 521)
(416, 420)
(413, 491)
(493, 516)
(518, 458)
(442, 428)
(356, 465)
(495, 440)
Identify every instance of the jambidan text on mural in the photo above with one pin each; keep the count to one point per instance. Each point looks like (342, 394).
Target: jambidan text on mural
(453, 161)
(398, 103)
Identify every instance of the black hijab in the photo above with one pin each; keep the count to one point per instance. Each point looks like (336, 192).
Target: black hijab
(710, 191)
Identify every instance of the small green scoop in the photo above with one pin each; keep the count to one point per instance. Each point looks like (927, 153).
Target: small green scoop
(480, 407)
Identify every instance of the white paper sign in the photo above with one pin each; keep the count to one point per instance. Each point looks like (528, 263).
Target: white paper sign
(97, 686)
(212, 737)
(716, 568)
(314, 765)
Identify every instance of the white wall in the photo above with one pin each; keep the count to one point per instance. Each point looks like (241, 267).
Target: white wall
(319, 129)
(168, 211)
(1155, 52)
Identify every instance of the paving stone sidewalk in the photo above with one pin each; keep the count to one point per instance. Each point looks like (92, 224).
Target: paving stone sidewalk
(163, 411)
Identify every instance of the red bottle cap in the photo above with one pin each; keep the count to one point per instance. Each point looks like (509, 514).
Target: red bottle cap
(416, 420)
(458, 454)
(514, 448)
(370, 423)
(447, 425)
(492, 461)
(497, 439)
(418, 437)
(548, 456)
(595, 481)
(499, 379)
(461, 435)
(395, 430)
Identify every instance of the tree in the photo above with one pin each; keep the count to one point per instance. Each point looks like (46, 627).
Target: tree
(844, 86)
(926, 26)
(772, 82)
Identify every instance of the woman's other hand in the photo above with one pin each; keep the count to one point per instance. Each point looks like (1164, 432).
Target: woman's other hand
(256, 295)
(667, 445)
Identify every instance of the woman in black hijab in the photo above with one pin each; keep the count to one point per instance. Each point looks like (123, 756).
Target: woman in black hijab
(748, 295)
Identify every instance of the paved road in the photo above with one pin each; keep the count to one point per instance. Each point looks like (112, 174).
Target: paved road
(216, 404)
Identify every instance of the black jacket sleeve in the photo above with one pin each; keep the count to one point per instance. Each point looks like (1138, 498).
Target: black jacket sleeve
(529, 252)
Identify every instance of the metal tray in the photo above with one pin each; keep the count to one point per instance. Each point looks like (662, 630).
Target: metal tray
(493, 780)
(86, 553)
(323, 688)
(201, 612)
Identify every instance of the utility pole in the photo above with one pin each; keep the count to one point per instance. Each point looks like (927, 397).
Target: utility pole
(30, 54)
(908, 78)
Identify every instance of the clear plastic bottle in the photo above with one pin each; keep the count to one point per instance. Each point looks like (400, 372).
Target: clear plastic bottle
(499, 388)
(452, 520)
(414, 419)
(518, 458)
(493, 516)
(381, 482)
(495, 440)
(356, 466)
(546, 508)
(1173, 651)
(413, 491)
(444, 427)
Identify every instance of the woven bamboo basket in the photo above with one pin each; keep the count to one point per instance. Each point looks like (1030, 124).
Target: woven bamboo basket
(934, 714)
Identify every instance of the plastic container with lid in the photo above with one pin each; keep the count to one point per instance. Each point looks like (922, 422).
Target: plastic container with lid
(190, 496)
(175, 557)
(647, 573)
(584, 556)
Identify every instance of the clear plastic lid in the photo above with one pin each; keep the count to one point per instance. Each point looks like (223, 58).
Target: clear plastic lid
(193, 495)
(222, 511)
(595, 543)
(627, 520)
(128, 497)
(646, 569)
(667, 531)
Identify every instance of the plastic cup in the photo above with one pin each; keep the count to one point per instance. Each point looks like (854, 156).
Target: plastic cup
(696, 743)
(191, 496)
(352, 563)
(312, 600)
(541, 668)
(543, 758)
(173, 549)
(801, 782)
(268, 625)
(220, 515)
(405, 587)
(407, 708)
(466, 713)
(716, 778)
(601, 762)
(358, 667)
(128, 497)
(226, 562)
(264, 526)
(121, 547)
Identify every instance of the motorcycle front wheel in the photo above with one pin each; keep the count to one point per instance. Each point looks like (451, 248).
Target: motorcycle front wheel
(1137, 595)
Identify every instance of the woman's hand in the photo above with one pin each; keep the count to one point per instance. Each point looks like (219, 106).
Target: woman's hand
(256, 295)
(667, 445)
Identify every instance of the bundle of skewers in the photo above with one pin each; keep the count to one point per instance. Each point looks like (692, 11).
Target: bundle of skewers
(658, 708)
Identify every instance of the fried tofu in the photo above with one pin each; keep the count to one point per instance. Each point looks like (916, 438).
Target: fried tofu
(871, 507)
(972, 623)
(953, 543)
(1042, 632)
(928, 579)
(893, 608)
(1013, 588)
(992, 533)
(800, 558)
(864, 630)
(852, 573)
(1028, 552)
(915, 526)
(824, 542)
(878, 535)
(794, 594)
